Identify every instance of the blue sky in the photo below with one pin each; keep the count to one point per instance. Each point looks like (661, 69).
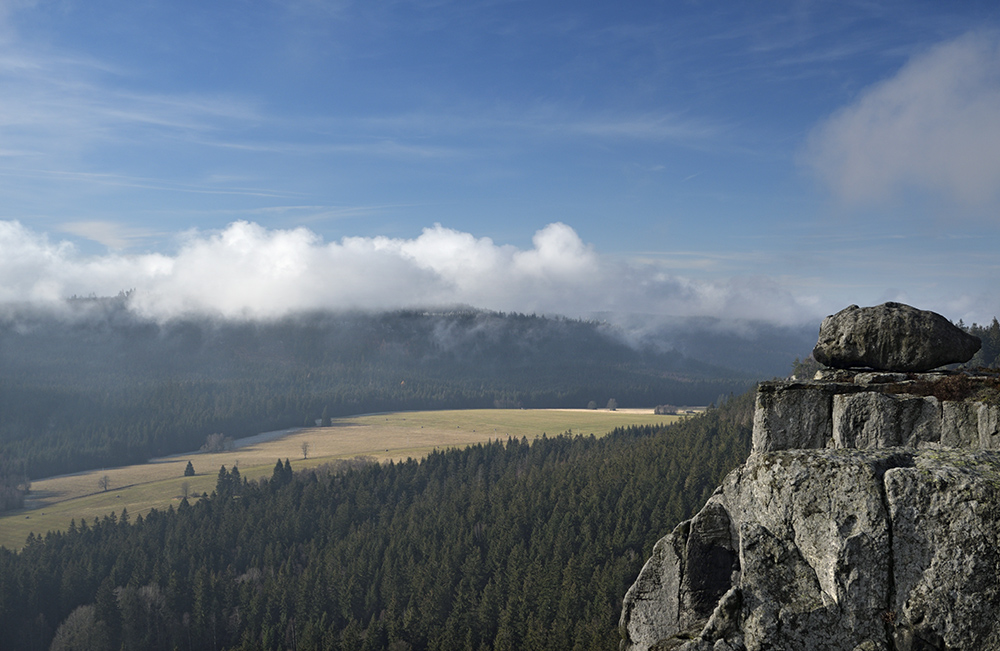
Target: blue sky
(775, 160)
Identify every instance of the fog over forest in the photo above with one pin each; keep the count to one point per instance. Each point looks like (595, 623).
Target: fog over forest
(227, 219)
(248, 271)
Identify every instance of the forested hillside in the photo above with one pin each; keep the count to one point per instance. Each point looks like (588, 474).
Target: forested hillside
(100, 387)
(989, 355)
(505, 546)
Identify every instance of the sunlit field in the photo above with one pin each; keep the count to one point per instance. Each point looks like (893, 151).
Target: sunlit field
(54, 502)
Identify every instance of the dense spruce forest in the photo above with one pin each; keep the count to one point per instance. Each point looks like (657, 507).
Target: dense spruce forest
(506, 546)
(989, 355)
(98, 386)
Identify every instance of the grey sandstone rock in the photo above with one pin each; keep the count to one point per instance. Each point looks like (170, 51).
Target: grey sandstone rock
(792, 416)
(877, 420)
(651, 608)
(959, 424)
(725, 620)
(865, 420)
(878, 530)
(835, 375)
(853, 550)
(816, 415)
(919, 421)
(709, 563)
(892, 337)
(945, 518)
(821, 514)
(783, 598)
(989, 426)
(879, 377)
(680, 586)
(809, 529)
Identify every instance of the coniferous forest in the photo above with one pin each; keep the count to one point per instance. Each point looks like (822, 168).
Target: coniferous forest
(510, 545)
(101, 387)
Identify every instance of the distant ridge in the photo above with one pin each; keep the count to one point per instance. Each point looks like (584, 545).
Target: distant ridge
(97, 386)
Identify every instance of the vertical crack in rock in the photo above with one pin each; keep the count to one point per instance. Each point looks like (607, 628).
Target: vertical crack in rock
(889, 614)
(709, 564)
(815, 536)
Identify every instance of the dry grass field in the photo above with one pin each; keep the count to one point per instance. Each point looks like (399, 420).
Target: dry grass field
(55, 501)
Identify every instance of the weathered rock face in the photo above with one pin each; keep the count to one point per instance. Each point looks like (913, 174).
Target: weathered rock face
(668, 597)
(867, 518)
(894, 549)
(945, 517)
(877, 410)
(892, 337)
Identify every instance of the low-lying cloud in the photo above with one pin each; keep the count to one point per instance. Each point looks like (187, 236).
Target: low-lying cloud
(248, 271)
(932, 126)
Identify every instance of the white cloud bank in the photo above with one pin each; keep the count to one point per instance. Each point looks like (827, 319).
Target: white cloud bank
(935, 125)
(248, 271)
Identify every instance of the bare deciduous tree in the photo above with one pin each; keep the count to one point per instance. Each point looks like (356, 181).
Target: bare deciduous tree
(305, 449)
(82, 630)
(217, 443)
(104, 482)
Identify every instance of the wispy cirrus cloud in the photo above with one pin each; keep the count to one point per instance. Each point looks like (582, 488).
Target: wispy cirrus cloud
(348, 143)
(111, 234)
(553, 122)
(932, 126)
(52, 112)
(60, 109)
(147, 183)
(669, 127)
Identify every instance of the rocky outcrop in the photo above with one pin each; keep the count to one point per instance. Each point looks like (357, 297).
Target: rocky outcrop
(892, 337)
(867, 518)
(679, 588)
(831, 550)
(847, 409)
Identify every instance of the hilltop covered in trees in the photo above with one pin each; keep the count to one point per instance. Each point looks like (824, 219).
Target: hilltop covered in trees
(99, 387)
(504, 546)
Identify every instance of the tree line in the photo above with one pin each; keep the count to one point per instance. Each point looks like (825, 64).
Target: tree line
(505, 545)
(989, 355)
(115, 390)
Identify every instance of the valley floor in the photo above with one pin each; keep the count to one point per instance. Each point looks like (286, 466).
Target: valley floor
(56, 501)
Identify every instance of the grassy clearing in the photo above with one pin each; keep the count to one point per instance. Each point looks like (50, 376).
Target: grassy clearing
(58, 500)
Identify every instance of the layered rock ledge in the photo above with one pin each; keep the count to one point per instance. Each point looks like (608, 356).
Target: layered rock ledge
(852, 409)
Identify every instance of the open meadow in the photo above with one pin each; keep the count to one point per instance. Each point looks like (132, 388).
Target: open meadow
(56, 501)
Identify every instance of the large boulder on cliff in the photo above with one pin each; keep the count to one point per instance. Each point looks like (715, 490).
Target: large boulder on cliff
(831, 550)
(892, 337)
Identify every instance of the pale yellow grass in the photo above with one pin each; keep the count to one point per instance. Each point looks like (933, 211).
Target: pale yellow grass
(56, 501)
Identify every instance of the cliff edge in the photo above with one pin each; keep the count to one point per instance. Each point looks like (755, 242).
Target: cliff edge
(866, 518)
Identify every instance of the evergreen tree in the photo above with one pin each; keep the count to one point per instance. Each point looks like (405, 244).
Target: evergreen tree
(505, 545)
